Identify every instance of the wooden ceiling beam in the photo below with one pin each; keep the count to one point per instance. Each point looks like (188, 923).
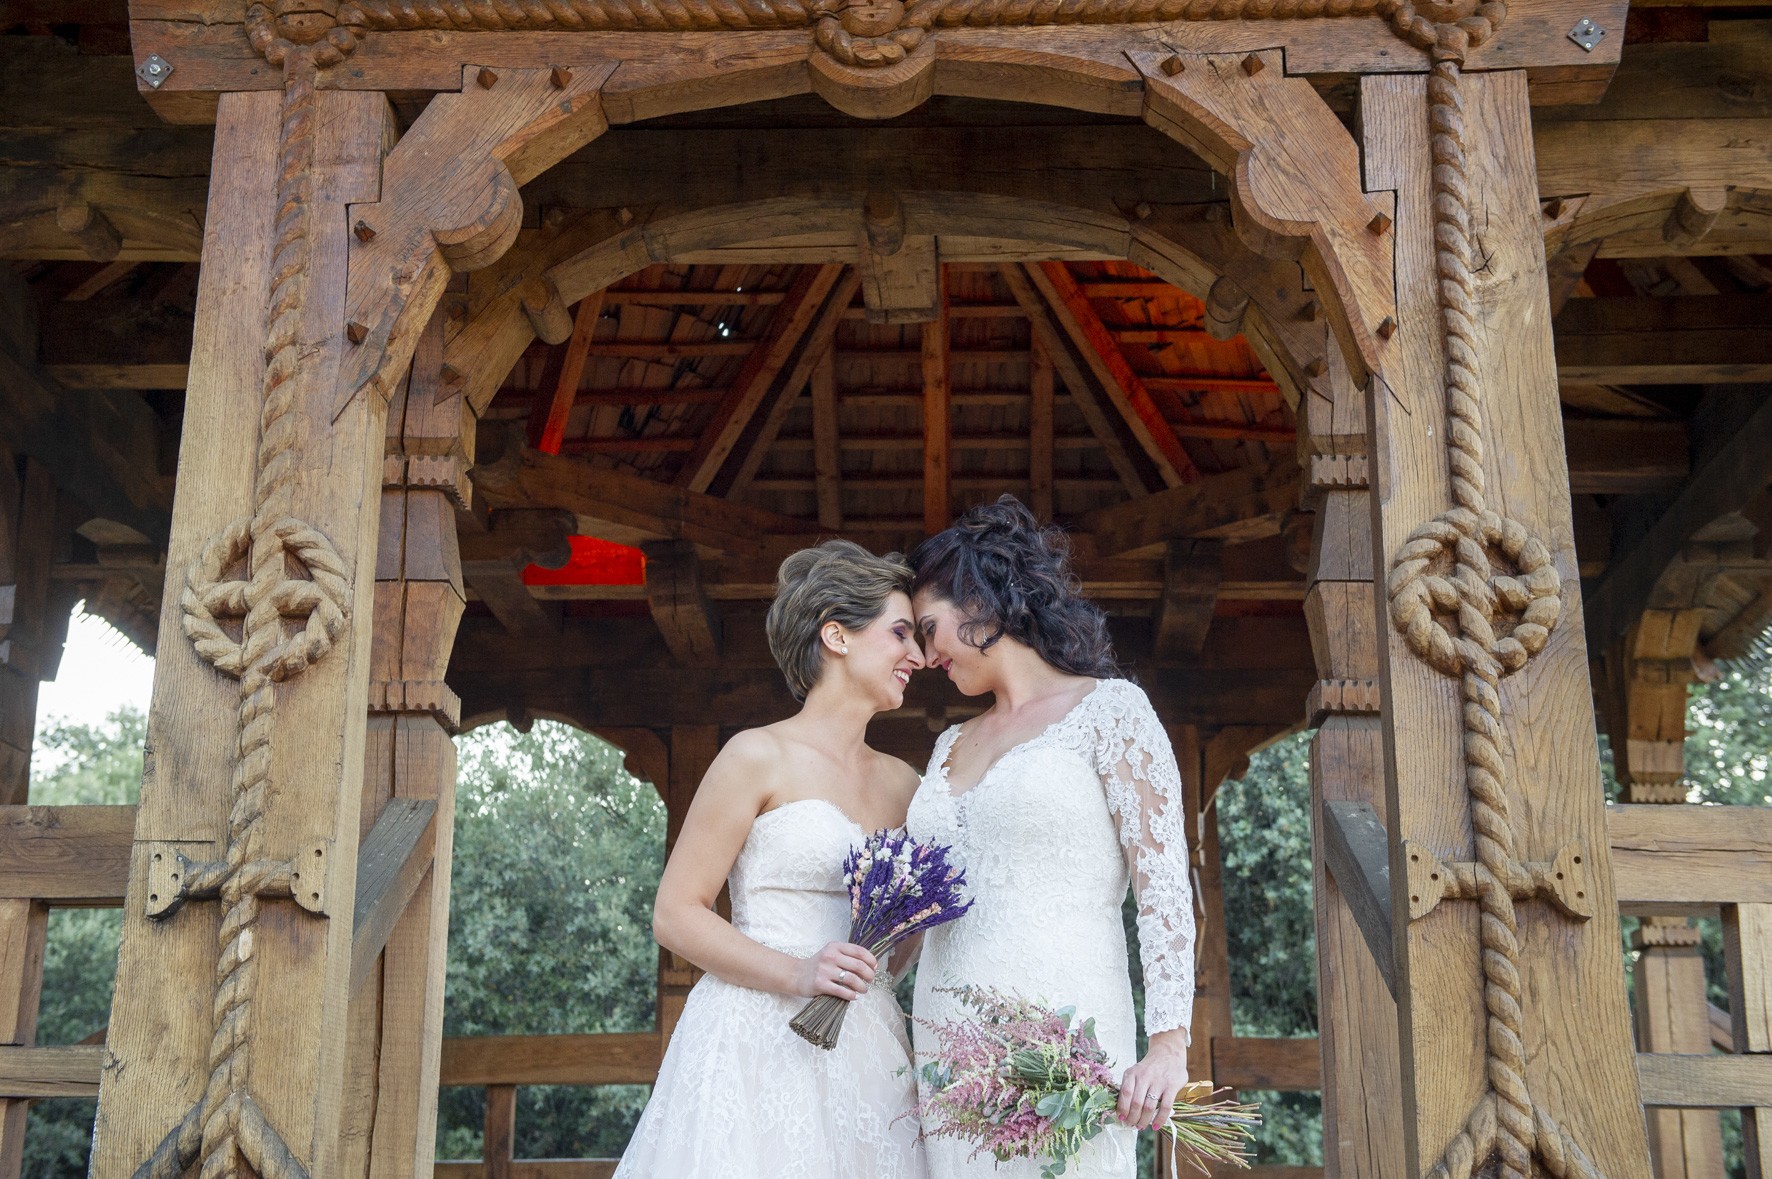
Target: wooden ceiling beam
(1246, 502)
(1040, 382)
(1733, 443)
(1124, 387)
(1192, 570)
(815, 350)
(763, 364)
(937, 417)
(630, 508)
(1683, 339)
(1081, 386)
(827, 457)
(689, 622)
(547, 420)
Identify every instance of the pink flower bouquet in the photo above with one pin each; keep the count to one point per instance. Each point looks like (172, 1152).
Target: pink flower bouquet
(1019, 1081)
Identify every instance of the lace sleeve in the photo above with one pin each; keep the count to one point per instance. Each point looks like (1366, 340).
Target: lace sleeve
(1143, 785)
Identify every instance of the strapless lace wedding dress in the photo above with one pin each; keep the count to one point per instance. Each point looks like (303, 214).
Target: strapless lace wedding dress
(1050, 837)
(739, 1095)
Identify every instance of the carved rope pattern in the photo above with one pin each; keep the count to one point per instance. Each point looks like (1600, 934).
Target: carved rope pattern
(230, 1128)
(860, 41)
(1506, 1121)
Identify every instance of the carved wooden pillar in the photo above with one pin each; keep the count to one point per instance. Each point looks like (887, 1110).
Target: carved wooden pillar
(1356, 1013)
(397, 1004)
(1509, 973)
(228, 1035)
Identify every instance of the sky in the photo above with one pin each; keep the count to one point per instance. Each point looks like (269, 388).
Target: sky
(101, 672)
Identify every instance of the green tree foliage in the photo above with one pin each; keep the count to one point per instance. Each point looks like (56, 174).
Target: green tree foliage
(558, 851)
(1264, 834)
(78, 765)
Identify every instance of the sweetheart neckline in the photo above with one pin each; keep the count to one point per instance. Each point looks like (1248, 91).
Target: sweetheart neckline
(776, 810)
(941, 768)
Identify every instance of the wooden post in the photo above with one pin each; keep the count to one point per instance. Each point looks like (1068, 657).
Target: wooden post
(1356, 1013)
(499, 1141)
(692, 751)
(228, 1037)
(397, 1011)
(1513, 1031)
(27, 535)
(1648, 672)
(1747, 955)
(23, 924)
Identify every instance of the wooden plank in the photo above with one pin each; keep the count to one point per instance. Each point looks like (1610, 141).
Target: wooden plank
(1124, 387)
(1667, 999)
(1703, 1082)
(1192, 570)
(1082, 389)
(1579, 1067)
(762, 365)
(1248, 1062)
(937, 418)
(827, 459)
(393, 858)
(547, 429)
(1682, 859)
(534, 1169)
(1625, 457)
(689, 622)
(1357, 853)
(24, 926)
(608, 1058)
(1245, 502)
(27, 1072)
(1040, 432)
(1688, 339)
(498, 1141)
(900, 273)
(72, 855)
(1747, 956)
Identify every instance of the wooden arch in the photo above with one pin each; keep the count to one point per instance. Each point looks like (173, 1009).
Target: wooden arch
(1295, 189)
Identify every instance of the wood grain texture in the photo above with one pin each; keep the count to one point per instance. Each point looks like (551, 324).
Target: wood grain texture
(937, 415)
(1579, 1059)
(75, 855)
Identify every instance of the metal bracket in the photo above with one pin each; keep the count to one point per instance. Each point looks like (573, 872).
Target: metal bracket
(1586, 34)
(174, 878)
(1563, 881)
(154, 70)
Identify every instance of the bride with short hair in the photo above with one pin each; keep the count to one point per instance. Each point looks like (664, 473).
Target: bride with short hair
(1054, 798)
(740, 1095)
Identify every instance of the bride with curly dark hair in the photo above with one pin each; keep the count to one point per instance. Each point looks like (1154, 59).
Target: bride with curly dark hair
(1056, 798)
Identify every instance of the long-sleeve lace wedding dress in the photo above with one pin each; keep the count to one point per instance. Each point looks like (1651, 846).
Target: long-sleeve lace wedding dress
(739, 1095)
(1049, 838)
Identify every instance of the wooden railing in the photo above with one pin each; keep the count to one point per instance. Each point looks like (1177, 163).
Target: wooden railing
(1667, 860)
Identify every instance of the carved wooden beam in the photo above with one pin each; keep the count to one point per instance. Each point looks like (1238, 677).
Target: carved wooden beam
(547, 422)
(1192, 570)
(689, 622)
(1357, 852)
(1244, 503)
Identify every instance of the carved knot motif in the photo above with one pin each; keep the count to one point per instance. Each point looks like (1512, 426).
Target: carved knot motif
(1458, 606)
(318, 601)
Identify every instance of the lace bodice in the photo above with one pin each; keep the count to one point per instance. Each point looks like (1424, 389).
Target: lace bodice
(1050, 837)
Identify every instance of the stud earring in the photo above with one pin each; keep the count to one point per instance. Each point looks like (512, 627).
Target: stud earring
(843, 650)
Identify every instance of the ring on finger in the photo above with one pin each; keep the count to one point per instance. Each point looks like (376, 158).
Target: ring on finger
(842, 976)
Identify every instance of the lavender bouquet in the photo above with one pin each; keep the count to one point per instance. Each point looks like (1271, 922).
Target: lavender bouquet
(1019, 1081)
(897, 887)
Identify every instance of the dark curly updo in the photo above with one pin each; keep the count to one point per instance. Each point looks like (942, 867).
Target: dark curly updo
(1010, 576)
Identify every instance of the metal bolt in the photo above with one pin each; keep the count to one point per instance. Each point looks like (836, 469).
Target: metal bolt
(154, 70)
(1173, 65)
(1586, 34)
(363, 231)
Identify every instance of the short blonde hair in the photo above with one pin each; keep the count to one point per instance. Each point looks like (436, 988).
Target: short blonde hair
(837, 581)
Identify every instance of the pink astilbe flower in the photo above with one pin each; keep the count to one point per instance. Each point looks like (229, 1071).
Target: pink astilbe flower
(1017, 1080)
